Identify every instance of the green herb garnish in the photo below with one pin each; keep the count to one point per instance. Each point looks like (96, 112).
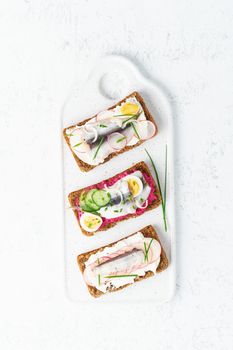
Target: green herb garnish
(121, 139)
(98, 147)
(163, 196)
(99, 280)
(147, 249)
(77, 144)
(135, 130)
(102, 126)
(96, 213)
(118, 210)
(117, 276)
(125, 115)
(145, 258)
(98, 261)
(133, 116)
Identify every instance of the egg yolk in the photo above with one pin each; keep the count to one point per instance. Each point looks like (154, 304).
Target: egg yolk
(91, 222)
(133, 187)
(129, 108)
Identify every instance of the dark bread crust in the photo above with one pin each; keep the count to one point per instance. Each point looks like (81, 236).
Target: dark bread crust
(73, 196)
(87, 167)
(147, 231)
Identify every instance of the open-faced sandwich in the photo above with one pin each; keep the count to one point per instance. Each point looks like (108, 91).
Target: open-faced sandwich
(127, 194)
(117, 265)
(121, 127)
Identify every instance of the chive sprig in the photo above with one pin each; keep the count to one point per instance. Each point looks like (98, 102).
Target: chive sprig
(147, 249)
(98, 147)
(120, 276)
(164, 194)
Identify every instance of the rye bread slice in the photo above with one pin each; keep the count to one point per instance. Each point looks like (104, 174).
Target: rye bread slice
(87, 167)
(147, 231)
(73, 196)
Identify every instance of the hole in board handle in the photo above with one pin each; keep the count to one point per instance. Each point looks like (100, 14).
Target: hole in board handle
(113, 85)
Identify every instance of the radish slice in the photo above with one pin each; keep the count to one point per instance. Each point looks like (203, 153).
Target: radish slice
(141, 117)
(104, 115)
(117, 140)
(89, 129)
(130, 122)
(77, 131)
(78, 144)
(129, 133)
(146, 129)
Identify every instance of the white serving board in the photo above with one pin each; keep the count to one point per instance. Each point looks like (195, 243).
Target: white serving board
(113, 78)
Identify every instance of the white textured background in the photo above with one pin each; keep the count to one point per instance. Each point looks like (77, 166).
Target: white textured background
(45, 47)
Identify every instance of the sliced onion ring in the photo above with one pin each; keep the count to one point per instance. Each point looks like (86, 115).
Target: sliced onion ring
(117, 140)
(129, 134)
(146, 129)
(144, 206)
(129, 122)
(89, 129)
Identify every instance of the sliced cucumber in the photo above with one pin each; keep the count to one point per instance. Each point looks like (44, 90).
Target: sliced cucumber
(89, 200)
(82, 202)
(101, 198)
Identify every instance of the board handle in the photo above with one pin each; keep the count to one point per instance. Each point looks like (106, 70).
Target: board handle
(114, 76)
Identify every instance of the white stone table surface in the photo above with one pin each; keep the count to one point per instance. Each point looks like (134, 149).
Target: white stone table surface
(48, 45)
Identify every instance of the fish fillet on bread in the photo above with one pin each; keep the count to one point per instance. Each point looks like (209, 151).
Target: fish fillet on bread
(118, 129)
(123, 263)
(126, 195)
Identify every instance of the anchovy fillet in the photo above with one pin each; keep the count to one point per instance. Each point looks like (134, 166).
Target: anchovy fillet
(121, 262)
(102, 132)
(105, 128)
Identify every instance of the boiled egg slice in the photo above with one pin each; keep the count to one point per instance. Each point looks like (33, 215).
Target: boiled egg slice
(135, 185)
(90, 222)
(129, 108)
